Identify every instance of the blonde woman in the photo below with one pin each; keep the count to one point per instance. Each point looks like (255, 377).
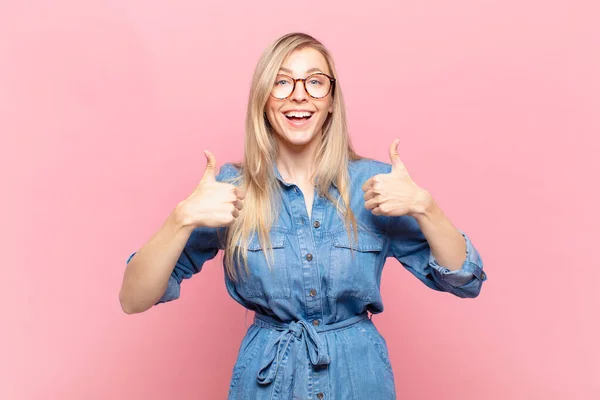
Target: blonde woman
(306, 226)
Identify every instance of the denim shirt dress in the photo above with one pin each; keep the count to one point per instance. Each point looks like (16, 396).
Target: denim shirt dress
(312, 337)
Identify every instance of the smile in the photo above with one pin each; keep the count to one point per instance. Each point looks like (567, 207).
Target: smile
(298, 118)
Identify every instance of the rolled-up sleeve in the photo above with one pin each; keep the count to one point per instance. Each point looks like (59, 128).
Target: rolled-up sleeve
(410, 247)
(202, 246)
(466, 281)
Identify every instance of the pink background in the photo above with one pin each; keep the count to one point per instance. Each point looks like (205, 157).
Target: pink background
(106, 106)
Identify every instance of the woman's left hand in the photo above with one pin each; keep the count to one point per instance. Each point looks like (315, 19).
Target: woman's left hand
(395, 194)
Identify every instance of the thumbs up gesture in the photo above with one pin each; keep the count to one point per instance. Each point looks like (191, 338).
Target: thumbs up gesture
(394, 194)
(212, 204)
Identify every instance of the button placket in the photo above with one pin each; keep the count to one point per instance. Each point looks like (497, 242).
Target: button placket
(308, 237)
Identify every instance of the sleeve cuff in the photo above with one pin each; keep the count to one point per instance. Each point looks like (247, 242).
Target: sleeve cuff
(130, 257)
(172, 292)
(472, 268)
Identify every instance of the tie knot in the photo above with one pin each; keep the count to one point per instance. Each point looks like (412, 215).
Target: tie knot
(296, 328)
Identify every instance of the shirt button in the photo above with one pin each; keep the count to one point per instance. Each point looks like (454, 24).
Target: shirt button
(482, 275)
(309, 257)
(316, 322)
(316, 224)
(313, 293)
(320, 395)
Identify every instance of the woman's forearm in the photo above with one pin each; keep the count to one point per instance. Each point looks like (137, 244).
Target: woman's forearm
(147, 274)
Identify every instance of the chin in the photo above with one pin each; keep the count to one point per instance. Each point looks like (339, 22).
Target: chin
(298, 138)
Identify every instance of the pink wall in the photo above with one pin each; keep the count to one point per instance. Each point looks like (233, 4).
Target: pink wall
(106, 106)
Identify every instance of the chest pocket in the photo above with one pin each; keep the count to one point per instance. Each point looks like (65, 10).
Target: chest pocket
(262, 281)
(355, 267)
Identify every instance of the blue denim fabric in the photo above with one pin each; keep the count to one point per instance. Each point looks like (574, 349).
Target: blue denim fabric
(311, 337)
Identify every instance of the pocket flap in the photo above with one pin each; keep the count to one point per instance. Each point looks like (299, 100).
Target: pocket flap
(277, 242)
(367, 241)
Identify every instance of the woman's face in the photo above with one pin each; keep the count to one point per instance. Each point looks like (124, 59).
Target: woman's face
(289, 117)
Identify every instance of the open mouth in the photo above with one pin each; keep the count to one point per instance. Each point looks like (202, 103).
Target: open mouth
(298, 116)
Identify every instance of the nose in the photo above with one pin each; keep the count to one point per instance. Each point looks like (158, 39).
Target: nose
(299, 93)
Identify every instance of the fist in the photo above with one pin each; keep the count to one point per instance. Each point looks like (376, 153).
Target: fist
(394, 194)
(212, 204)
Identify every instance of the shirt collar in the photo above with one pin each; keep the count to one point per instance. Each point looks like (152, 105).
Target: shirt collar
(280, 178)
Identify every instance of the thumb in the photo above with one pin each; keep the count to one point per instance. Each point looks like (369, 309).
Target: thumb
(211, 165)
(394, 156)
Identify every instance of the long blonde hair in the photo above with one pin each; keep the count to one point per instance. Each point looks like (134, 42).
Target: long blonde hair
(260, 151)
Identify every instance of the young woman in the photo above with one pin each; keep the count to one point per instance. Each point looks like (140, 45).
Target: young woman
(306, 226)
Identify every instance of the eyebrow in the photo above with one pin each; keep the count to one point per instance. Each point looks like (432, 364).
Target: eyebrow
(308, 72)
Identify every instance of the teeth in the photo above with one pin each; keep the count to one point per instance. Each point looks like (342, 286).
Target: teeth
(298, 114)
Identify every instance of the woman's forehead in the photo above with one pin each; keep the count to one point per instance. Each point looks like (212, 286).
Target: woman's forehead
(304, 61)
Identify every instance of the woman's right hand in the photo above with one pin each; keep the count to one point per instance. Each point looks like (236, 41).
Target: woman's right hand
(212, 204)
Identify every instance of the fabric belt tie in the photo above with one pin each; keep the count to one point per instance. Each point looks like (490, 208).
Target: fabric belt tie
(308, 336)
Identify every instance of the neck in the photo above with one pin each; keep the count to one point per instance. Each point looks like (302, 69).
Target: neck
(296, 163)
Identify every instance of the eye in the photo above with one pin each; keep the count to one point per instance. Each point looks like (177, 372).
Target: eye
(281, 82)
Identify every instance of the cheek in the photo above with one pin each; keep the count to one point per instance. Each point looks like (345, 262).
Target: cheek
(326, 110)
(270, 117)
(271, 112)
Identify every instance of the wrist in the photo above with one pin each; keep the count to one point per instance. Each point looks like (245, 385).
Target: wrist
(182, 218)
(423, 204)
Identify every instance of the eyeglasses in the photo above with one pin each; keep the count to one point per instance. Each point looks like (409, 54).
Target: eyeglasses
(316, 85)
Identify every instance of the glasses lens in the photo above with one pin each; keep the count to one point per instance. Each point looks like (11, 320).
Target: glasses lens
(283, 87)
(318, 85)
